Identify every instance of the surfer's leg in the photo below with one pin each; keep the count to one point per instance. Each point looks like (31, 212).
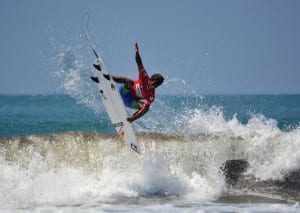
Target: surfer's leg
(136, 104)
(124, 80)
(128, 98)
(126, 95)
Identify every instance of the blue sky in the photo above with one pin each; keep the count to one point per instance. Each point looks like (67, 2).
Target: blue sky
(213, 46)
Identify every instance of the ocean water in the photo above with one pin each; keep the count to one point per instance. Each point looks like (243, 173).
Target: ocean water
(215, 153)
(200, 153)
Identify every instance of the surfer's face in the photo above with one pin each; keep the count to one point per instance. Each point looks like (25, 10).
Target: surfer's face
(153, 84)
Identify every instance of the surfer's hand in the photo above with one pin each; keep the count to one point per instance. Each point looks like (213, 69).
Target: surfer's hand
(136, 47)
(130, 119)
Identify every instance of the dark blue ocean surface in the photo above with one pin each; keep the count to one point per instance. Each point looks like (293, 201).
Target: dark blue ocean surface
(43, 114)
(40, 114)
(283, 108)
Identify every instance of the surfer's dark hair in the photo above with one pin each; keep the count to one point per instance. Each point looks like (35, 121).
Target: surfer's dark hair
(158, 78)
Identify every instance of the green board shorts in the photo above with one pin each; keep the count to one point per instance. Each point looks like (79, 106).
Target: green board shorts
(128, 98)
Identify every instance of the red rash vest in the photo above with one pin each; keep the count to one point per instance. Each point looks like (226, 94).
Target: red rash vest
(141, 88)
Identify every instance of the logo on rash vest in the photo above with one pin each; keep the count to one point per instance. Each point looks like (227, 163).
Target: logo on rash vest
(121, 133)
(139, 91)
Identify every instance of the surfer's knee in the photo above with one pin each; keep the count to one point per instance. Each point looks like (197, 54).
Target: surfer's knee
(129, 84)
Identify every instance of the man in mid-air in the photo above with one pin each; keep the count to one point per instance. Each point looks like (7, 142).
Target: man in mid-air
(134, 91)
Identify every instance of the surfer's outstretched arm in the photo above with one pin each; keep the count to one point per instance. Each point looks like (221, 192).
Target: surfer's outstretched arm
(143, 75)
(138, 57)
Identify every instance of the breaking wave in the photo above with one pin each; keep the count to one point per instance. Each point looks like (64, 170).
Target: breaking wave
(80, 167)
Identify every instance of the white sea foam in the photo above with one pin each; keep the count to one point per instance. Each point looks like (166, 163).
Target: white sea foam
(73, 168)
(70, 169)
(271, 152)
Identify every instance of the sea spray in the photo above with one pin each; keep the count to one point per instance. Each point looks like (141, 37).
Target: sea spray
(82, 168)
(75, 80)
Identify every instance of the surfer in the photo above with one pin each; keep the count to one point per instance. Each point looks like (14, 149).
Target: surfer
(134, 91)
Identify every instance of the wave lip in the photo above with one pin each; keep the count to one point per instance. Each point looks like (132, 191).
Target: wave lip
(76, 167)
(80, 167)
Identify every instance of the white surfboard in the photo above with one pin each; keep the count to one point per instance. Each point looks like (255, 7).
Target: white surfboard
(114, 104)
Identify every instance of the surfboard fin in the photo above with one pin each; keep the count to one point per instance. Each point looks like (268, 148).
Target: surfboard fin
(97, 67)
(95, 79)
(106, 76)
